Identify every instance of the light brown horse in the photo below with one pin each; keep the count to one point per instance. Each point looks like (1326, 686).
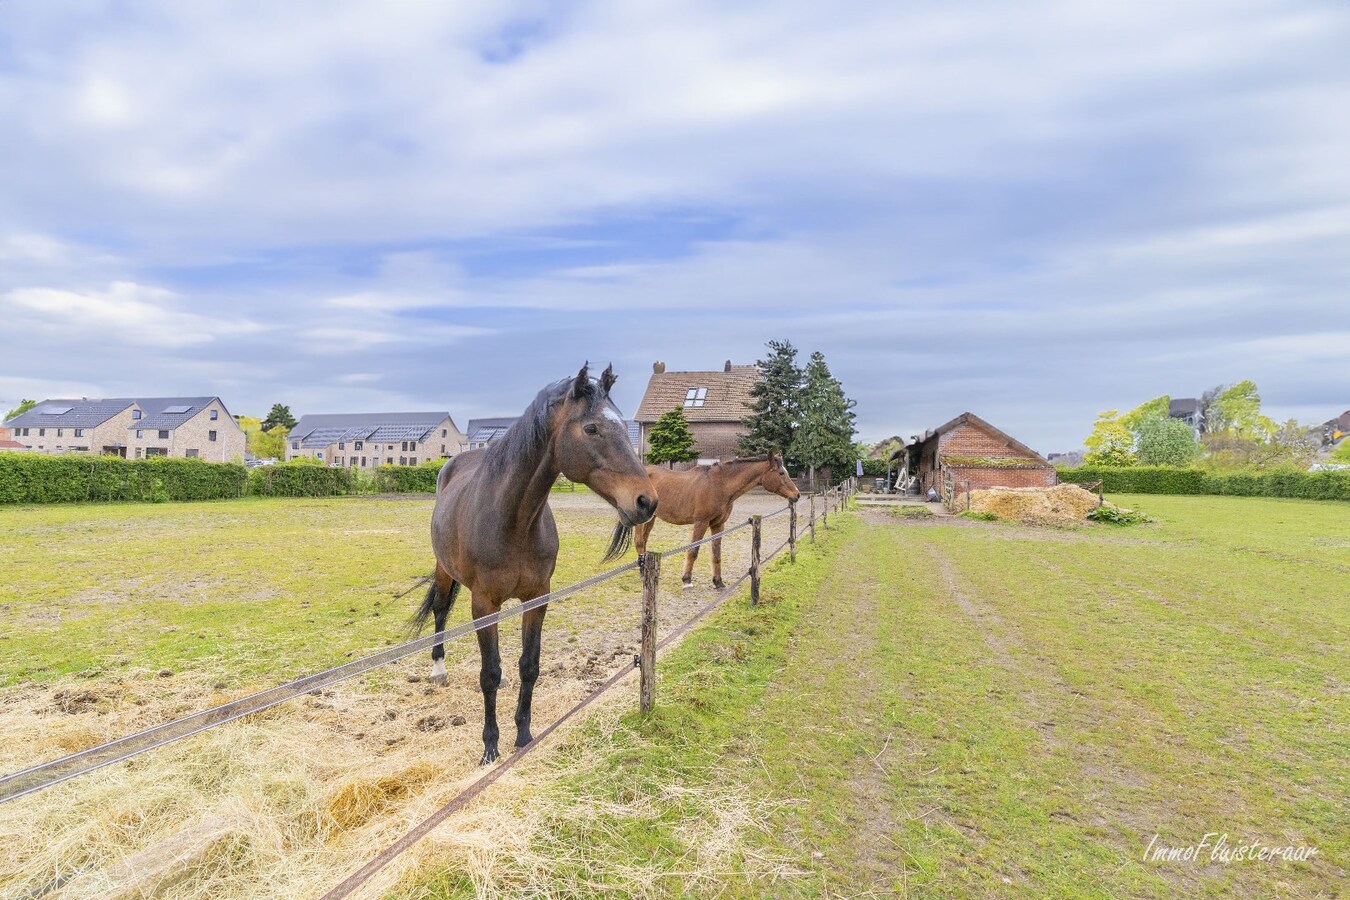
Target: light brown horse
(492, 529)
(704, 495)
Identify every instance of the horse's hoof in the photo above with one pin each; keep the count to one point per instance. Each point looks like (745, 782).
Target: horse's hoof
(439, 680)
(719, 583)
(686, 583)
(490, 756)
(524, 740)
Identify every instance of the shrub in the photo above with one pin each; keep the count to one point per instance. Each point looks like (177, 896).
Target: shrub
(420, 479)
(35, 478)
(301, 480)
(1115, 515)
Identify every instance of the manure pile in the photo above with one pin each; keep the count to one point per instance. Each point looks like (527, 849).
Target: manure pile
(1063, 504)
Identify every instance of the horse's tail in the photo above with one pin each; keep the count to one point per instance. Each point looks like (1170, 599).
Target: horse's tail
(618, 545)
(429, 604)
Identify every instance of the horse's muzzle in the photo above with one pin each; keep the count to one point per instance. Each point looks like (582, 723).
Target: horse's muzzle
(644, 509)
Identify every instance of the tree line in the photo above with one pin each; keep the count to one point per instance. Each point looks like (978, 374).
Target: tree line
(1231, 432)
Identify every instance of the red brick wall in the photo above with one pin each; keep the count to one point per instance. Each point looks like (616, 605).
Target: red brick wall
(716, 440)
(967, 440)
(994, 476)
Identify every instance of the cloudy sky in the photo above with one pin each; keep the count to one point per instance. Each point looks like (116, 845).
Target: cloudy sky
(1033, 211)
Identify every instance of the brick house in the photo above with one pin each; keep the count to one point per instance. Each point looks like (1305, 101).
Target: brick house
(969, 449)
(366, 440)
(193, 427)
(134, 428)
(482, 432)
(716, 404)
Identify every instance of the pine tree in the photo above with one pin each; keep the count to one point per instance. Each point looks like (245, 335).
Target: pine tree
(280, 415)
(824, 436)
(671, 440)
(772, 422)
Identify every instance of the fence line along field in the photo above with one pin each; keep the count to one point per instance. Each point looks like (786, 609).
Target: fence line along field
(118, 618)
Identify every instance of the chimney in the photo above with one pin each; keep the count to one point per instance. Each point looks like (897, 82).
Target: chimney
(659, 367)
(727, 367)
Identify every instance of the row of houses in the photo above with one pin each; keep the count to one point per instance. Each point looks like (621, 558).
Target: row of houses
(129, 427)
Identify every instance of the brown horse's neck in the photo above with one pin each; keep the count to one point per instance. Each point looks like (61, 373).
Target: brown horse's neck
(741, 477)
(526, 487)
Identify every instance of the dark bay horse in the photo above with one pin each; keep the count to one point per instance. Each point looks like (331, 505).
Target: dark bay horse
(703, 497)
(492, 529)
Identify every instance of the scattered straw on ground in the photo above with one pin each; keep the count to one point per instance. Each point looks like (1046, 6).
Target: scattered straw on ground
(1063, 504)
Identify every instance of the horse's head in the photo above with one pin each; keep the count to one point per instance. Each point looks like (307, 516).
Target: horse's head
(777, 480)
(590, 446)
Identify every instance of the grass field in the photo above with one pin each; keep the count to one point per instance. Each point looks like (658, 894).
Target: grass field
(985, 710)
(927, 709)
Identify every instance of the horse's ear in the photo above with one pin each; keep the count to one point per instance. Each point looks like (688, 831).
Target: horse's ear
(582, 382)
(608, 378)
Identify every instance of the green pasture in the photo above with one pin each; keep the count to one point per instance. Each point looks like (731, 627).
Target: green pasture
(985, 710)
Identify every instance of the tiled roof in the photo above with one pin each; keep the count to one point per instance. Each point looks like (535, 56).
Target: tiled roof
(1183, 406)
(727, 400)
(322, 430)
(7, 444)
(69, 414)
(483, 431)
(154, 413)
(969, 418)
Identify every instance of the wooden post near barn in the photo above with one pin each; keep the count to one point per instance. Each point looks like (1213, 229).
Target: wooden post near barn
(811, 522)
(825, 509)
(755, 522)
(792, 531)
(651, 572)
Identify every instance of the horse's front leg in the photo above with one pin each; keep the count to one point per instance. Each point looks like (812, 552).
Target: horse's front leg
(692, 554)
(489, 677)
(532, 632)
(717, 553)
(640, 534)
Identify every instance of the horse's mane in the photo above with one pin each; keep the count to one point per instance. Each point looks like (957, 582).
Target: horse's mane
(528, 435)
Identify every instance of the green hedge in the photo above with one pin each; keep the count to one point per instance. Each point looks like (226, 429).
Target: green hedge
(36, 478)
(290, 480)
(1163, 480)
(874, 468)
(406, 479)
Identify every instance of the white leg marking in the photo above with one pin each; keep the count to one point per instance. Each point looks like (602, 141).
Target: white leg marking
(438, 669)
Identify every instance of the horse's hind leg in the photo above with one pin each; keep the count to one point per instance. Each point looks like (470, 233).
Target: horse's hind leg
(692, 554)
(531, 632)
(489, 677)
(441, 598)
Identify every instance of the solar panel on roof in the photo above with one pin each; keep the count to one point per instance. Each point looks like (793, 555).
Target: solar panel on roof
(56, 410)
(176, 409)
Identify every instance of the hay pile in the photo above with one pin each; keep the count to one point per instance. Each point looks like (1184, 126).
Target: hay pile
(1063, 504)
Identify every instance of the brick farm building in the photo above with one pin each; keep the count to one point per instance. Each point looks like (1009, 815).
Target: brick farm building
(969, 449)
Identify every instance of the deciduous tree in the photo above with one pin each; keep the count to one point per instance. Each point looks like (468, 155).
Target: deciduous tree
(1110, 443)
(1161, 441)
(23, 407)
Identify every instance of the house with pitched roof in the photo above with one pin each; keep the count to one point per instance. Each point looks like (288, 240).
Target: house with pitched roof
(366, 440)
(482, 432)
(715, 403)
(132, 427)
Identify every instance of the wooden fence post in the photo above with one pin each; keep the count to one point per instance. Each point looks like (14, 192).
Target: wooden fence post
(792, 531)
(754, 560)
(811, 522)
(825, 510)
(651, 571)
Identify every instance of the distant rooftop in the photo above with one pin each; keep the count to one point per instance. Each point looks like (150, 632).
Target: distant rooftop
(320, 430)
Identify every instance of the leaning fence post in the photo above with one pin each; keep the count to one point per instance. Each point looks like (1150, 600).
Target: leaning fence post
(792, 531)
(811, 522)
(754, 559)
(651, 571)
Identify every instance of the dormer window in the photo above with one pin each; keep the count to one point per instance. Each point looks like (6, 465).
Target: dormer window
(695, 396)
(135, 414)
